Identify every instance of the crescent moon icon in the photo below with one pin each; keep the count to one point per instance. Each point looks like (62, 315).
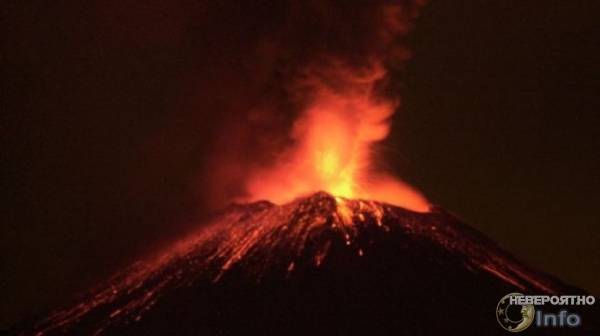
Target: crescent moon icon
(527, 314)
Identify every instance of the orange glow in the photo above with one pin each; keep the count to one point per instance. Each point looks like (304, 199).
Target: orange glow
(334, 138)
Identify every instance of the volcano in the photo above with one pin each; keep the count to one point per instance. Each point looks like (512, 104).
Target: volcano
(319, 265)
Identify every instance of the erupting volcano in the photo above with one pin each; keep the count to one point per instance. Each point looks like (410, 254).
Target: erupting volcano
(334, 140)
(314, 265)
(323, 240)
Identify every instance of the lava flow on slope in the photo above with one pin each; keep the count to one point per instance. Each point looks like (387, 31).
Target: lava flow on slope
(317, 264)
(341, 246)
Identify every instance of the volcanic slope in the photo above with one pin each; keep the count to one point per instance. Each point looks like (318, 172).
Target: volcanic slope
(317, 265)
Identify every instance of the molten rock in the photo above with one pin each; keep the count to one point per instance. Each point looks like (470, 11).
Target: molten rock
(313, 266)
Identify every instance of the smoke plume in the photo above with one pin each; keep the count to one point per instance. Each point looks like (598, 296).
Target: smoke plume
(318, 75)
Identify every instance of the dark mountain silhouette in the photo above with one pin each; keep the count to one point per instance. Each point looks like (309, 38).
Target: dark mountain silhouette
(319, 265)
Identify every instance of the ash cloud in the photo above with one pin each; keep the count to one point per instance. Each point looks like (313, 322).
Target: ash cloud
(128, 121)
(287, 57)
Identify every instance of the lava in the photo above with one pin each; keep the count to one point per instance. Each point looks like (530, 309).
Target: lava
(252, 243)
(334, 143)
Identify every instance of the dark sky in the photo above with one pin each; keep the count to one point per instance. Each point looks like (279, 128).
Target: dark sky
(500, 124)
(115, 115)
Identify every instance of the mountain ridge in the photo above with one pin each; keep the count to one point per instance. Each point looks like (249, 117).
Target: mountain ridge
(263, 267)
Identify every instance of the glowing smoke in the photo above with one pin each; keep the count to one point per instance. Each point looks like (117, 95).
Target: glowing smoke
(307, 102)
(342, 114)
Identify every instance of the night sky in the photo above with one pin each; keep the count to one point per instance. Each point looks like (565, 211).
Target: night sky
(114, 114)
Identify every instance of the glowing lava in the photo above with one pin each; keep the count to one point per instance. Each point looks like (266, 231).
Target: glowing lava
(333, 142)
(262, 243)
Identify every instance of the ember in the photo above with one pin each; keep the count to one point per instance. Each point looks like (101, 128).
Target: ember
(263, 245)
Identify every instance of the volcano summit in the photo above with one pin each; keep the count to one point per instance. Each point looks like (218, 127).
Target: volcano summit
(317, 265)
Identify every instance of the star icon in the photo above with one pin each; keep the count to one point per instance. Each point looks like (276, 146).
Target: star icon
(500, 311)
